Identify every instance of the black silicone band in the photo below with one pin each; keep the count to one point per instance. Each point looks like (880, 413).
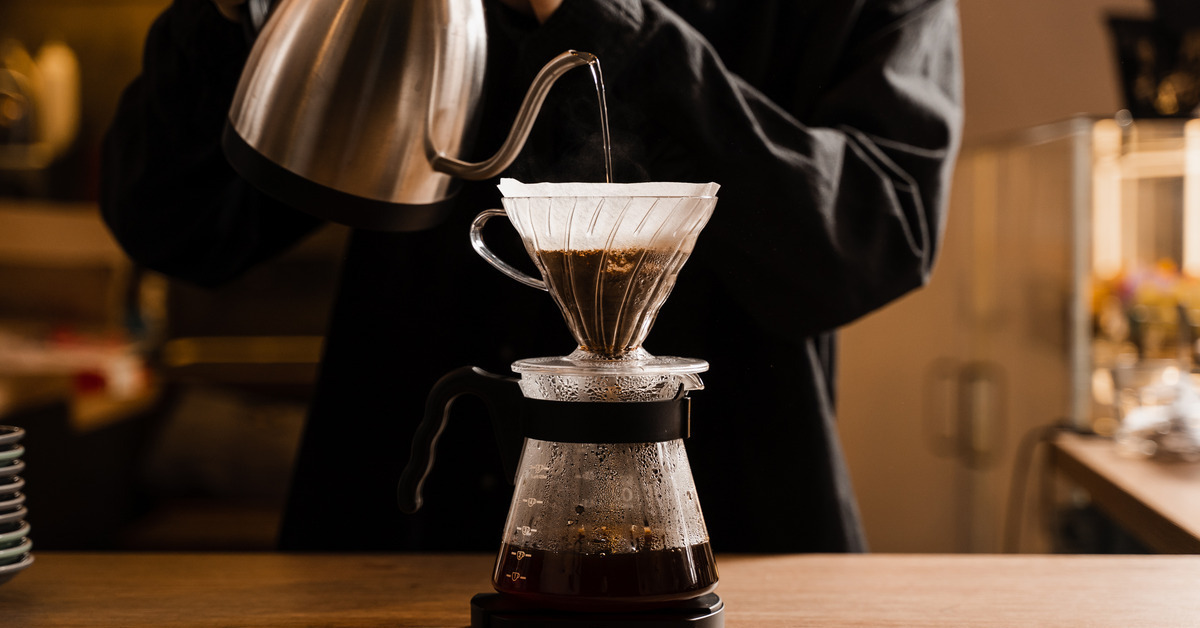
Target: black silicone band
(323, 201)
(617, 422)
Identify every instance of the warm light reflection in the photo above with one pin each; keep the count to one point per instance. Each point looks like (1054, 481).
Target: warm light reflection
(39, 103)
(1191, 199)
(1106, 200)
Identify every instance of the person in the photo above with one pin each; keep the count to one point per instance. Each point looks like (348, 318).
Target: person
(831, 126)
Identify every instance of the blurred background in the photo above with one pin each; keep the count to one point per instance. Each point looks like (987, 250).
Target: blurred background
(162, 415)
(167, 416)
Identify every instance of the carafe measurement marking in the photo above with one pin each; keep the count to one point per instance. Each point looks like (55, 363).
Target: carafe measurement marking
(526, 530)
(515, 574)
(530, 501)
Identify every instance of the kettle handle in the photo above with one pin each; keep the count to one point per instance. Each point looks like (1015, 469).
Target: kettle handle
(521, 127)
(503, 398)
(488, 256)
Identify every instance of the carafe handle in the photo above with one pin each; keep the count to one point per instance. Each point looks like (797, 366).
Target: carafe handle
(503, 398)
(491, 258)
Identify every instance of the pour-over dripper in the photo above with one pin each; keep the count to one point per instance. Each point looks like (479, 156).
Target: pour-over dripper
(608, 253)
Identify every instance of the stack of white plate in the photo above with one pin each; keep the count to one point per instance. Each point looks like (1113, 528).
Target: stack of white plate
(14, 530)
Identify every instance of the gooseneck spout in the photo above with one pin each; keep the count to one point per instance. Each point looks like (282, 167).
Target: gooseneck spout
(521, 127)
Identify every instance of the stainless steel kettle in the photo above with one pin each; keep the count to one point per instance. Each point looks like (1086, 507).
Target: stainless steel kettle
(353, 110)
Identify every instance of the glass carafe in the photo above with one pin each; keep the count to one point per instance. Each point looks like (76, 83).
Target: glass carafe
(605, 515)
(606, 524)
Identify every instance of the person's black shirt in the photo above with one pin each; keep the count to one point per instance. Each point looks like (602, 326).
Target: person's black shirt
(831, 126)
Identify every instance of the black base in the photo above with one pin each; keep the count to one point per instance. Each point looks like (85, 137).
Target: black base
(323, 201)
(496, 610)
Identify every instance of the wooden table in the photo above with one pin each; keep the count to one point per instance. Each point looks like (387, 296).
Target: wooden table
(281, 590)
(1157, 502)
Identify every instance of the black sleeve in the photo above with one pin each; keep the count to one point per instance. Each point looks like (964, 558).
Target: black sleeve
(167, 193)
(832, 201)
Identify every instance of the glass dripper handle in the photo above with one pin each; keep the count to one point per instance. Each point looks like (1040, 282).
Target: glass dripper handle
(491, 258)
(503, 398)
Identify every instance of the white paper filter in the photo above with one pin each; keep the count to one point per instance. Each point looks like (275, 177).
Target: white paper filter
(515, 189)
(583, 216)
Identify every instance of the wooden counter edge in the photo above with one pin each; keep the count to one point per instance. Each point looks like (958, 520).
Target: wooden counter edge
(1159, 532)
